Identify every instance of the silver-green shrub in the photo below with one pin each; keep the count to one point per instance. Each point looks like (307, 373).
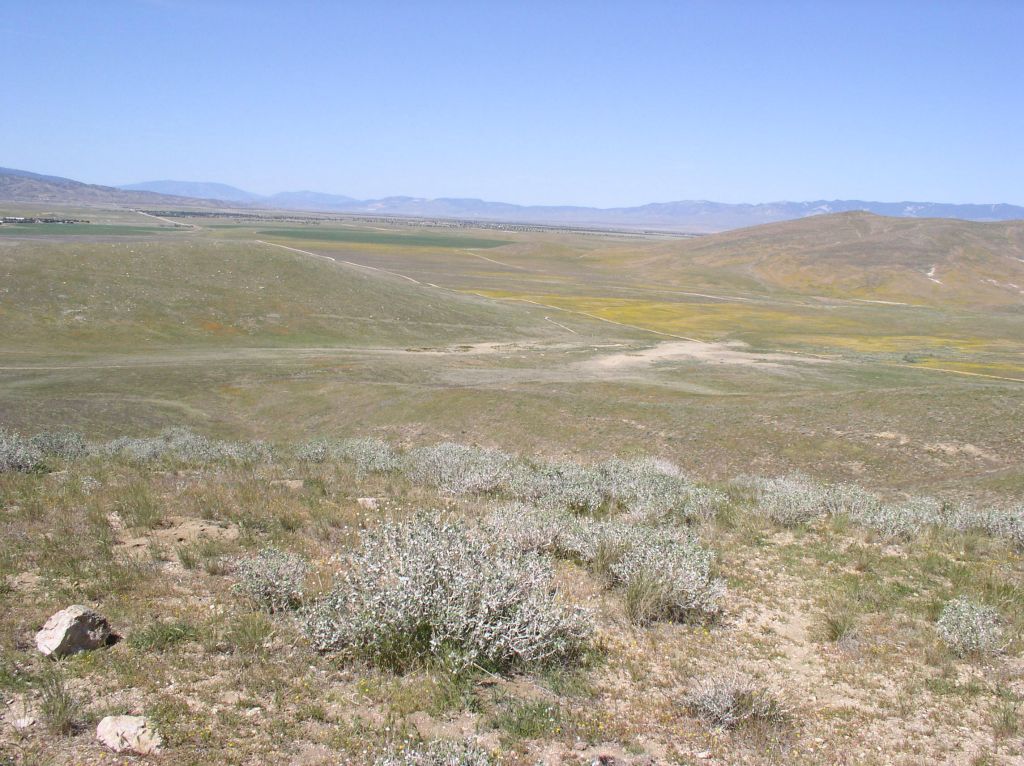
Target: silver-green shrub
(666, 571)
(528, 528)
(18, 453)
(272, 580)
(899, 522)
(648, 487)
(457, 469)
(432, 589)
(967, 627)
(369, 455)
(64, 444)
(790, 500)
(187, 446)
(439, 753)
(563, 485)
(666, 577)
(1007, 524)
(850, 499)
(316, 451)
(732, 700)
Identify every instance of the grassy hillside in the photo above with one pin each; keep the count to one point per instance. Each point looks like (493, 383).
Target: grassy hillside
(17, 186)
(149, 294)
(936, 262)
(559, 342)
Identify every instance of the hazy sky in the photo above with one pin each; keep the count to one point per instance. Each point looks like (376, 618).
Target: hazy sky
(598, 103)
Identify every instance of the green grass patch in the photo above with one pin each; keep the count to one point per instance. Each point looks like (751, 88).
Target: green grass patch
(159, 636)
(78, 229)
(528, 719)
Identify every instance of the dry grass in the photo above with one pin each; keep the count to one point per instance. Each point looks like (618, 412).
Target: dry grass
(835, 618)
(230, 667)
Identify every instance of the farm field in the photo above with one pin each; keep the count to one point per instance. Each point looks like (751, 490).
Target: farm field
(829, 455)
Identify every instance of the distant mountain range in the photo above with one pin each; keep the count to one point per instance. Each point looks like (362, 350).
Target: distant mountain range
(34, 188)
(690, 216)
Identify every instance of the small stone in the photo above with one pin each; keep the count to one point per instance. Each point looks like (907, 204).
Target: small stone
(368, 503)
(129, 734)
(24, 723)
(75, 629)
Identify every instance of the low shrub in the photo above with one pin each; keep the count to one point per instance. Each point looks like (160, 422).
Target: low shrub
(899, 522)
(666, 577)
(63, 444)
(316, 451)
(436, 590)
(440, 753)
(186, 446)
(649, 488)
(561, 486)
(969, 628)
(369, 455)
(665, 573)
(456, 469)
(527, 527)
(734, 700)
(272, 579)
(18, 453)
(1007, 524)
(850, 499)
(791, 500)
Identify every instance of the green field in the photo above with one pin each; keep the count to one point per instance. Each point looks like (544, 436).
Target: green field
(76, 229)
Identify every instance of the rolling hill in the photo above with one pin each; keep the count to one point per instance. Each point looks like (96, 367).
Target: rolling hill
(24, 187)
(865, 256)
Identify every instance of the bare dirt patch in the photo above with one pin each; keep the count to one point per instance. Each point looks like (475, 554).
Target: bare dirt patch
(732, 352)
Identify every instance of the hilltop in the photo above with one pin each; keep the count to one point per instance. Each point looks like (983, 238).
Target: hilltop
(25, 187)
(865, 256)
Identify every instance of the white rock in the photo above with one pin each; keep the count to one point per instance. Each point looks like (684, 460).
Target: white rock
(24, 723)
(129, 733)
(75, 629)
(369, 503)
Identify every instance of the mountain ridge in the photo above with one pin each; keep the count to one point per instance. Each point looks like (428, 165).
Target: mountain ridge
(702, 215)
(697, 216)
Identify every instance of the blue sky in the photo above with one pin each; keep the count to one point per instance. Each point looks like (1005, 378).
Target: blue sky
(547, 102)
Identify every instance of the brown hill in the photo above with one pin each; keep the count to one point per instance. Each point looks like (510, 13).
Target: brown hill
(24, 187)
(861, 255)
